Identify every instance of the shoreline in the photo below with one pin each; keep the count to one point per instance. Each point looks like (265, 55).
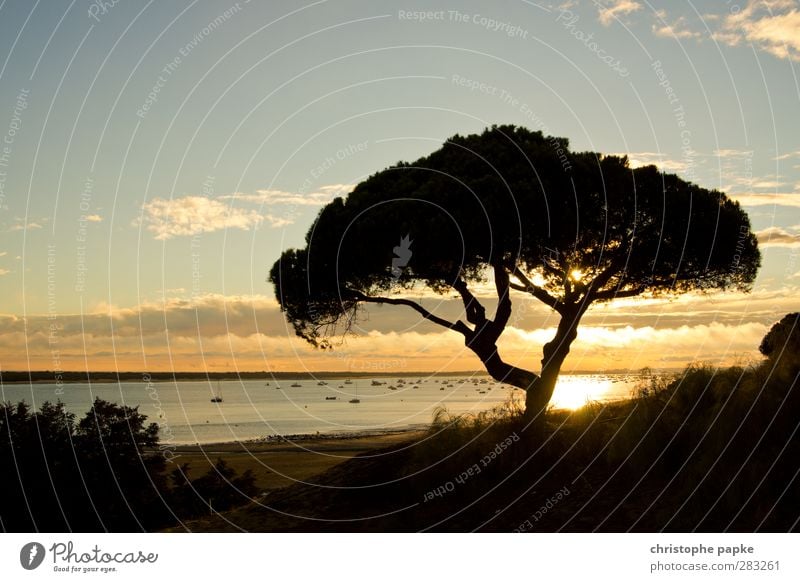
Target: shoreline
(310, 437)
(278, 441)
(63, 378)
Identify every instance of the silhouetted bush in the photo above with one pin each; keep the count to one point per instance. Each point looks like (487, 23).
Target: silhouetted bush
(103, 473)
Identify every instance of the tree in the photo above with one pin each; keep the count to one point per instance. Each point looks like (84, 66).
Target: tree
(570, 229)
(97, 474)
(116, 448)
(782, 342)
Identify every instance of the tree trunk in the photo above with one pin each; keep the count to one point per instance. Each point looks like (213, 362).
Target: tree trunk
(486, 349)
(555, 352)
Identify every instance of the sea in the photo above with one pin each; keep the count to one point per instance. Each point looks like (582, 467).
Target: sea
(260, 409)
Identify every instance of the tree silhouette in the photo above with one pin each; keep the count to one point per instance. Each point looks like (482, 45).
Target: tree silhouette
(782, 342)
(570, 229)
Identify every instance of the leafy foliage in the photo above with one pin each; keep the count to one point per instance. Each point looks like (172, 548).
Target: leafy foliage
(103, 473)
(569, 228)
(783, 339)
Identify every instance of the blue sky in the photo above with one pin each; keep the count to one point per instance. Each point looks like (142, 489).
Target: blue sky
(159, 156)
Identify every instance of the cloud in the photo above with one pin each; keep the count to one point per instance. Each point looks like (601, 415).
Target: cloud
(191, 215)
(775, 236)
(94, 218)
(733, 153)
(772, 26)
(319, 197)
(22, 224)
(678, 28)
(767, 184)
(278, 221)
(4, 272)
(787, 156)
(250, 332)
(599, 347)
(770, 199)
(613, 9)
(639, 159)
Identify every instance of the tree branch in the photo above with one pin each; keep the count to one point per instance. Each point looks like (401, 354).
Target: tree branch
(604, 277)
(616, 294)
(458, 326)
(476, 313)
(502, 284)
(537, 292)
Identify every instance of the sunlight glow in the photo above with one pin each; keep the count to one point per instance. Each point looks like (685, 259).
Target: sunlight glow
(576, 274)
(573, 392)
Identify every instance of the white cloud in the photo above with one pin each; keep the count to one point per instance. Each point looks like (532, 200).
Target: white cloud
(677, 29)
(94, 218)
(768, 184)
(614, 9)
(639, 159)
(772, 26)
(191, 215)
(278, 221)
(4, 272)
(733, 153)
(21, 224)
(319, 197)
(768, 199)
(775, 236)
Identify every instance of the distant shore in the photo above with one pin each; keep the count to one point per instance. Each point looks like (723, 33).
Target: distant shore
(100, 377)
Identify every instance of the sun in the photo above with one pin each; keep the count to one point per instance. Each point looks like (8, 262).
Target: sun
(572, 392)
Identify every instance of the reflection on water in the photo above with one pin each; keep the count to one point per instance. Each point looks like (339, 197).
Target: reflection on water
(573, 391)
(255, 409)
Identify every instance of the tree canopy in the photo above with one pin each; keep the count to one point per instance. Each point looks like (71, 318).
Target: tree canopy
(568, 228)
(101, 473)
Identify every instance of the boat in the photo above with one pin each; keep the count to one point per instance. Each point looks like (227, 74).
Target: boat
(377, 383)
(321, 383)
(330, 398)
(354, 401)
(392, 388)
(296, 385)
(218, 396)
(348, 381)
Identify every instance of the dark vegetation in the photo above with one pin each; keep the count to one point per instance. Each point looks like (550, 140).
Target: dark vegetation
(104, 472)
(707, 450)
(571, 229)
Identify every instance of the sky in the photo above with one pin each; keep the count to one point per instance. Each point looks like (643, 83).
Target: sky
(157, 157)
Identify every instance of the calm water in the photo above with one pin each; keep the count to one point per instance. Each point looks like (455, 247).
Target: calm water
(255, 409)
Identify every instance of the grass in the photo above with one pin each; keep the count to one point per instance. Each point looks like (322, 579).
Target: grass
(708, 449)
(712, 449)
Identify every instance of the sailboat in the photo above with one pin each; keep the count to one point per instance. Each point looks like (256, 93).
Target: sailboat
(218, 396)
(355, 399)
